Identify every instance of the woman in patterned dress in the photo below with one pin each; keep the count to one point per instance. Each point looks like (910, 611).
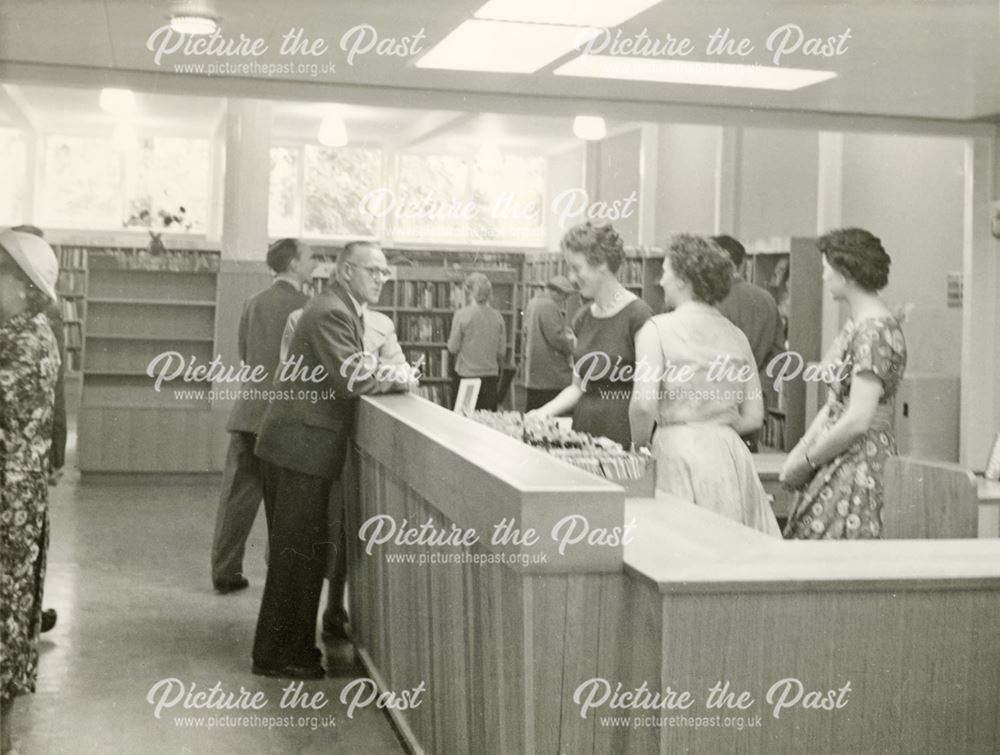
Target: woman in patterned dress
(838, 465)
(29, 364)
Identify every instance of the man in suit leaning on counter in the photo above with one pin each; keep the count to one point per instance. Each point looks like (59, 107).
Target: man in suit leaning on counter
(302, 446)
(261, 326)
(380, 340)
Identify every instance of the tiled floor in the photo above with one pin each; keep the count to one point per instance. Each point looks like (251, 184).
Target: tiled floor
(128, 573)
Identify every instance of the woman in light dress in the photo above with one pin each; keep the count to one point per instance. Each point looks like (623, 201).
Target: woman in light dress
(696, 381)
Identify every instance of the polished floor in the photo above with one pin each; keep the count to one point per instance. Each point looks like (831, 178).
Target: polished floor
(128, 574)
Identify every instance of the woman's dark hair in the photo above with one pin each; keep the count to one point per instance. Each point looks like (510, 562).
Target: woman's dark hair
(36, 300)
(597, 243)
(703, 264)
(281, 253)
(858, 255)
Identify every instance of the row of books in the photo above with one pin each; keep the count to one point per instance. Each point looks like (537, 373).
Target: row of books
(433, 363)
(72, 283)
(424, 328)
(539, 271)
(439, 393)
(192, 261)
(772, 434)
(72, 309)
(431, 295)
(71, 256)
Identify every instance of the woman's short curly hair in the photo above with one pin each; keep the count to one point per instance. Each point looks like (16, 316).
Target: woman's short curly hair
(857, 254)
(597, 243)
(703, 264)
(479, 287)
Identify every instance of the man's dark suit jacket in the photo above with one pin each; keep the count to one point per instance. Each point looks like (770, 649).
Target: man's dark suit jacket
(312, 436)
(261, 326)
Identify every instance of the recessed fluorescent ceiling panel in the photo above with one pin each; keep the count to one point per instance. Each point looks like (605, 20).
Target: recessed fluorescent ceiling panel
(503, 47)
(574, 12)
(692, 72)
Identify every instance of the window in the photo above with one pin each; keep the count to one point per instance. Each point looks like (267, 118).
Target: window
(283, 216)
(321, 191)
(487, 199)
(81, 182)
(170, 186)
(162, 183)
(12, 187)
(336, 182)
(431, 199)
(508, 192)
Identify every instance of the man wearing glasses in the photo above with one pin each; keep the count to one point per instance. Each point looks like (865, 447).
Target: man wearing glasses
(302, 445)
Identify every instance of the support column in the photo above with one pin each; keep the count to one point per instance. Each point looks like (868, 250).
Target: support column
(244, 214)
(980, 389)
(727, 181)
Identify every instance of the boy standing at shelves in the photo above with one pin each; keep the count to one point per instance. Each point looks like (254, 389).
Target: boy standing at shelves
(753, 310)
(261, 326)
(547, 368)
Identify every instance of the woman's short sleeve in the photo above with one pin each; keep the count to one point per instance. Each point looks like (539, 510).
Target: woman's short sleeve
(874, 351)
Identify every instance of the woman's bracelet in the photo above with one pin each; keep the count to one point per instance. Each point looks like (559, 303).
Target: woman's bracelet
(812, 465)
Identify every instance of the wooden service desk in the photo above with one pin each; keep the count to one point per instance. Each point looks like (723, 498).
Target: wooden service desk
(523, 649)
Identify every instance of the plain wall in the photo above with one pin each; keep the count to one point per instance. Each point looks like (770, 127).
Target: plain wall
(909, 191)
(777, 183)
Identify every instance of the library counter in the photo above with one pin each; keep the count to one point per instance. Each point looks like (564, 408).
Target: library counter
(585, 637)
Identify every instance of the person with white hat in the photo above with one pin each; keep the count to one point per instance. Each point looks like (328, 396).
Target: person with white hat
(29, 366)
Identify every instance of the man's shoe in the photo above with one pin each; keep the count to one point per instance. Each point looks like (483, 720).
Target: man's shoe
(336, 629)
(224, 586)
(49, 617)
(290, 672)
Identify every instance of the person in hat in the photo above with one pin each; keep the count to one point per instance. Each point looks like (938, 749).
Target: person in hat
(547, 368)
(29, 368)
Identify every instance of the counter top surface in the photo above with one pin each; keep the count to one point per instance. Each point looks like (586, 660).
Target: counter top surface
(521, 466)
(684, 548)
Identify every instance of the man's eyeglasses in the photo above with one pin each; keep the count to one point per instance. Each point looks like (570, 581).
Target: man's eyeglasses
(378, 273)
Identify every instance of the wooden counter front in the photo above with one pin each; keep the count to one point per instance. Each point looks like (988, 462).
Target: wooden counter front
(504, 649)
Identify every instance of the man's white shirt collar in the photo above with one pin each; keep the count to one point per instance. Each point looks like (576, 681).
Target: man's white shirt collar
(359, 308)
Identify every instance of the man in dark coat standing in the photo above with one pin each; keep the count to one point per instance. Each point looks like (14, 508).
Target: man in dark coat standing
(261, 326)
(302, 446)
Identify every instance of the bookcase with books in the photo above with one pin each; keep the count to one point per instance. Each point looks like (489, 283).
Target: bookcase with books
(140, 306)
(71, 288)
(424, 293)
(791, 269)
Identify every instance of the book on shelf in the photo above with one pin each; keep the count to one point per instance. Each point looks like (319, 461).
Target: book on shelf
(70, 309)
(71, 283)
(424, 328)
(439, 393)
(73, 335)
(434, 363)
(431, 295)
(73, 257)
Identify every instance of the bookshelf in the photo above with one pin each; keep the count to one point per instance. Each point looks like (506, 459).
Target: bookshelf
(425, 291)
(791, 269)
(71, 288)
(138, 306)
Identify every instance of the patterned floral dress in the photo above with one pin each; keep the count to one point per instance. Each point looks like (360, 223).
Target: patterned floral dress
(29, 365)
(844, 498)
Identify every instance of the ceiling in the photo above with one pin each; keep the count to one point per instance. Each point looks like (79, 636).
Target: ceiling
(923, 58)
(77, 110)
